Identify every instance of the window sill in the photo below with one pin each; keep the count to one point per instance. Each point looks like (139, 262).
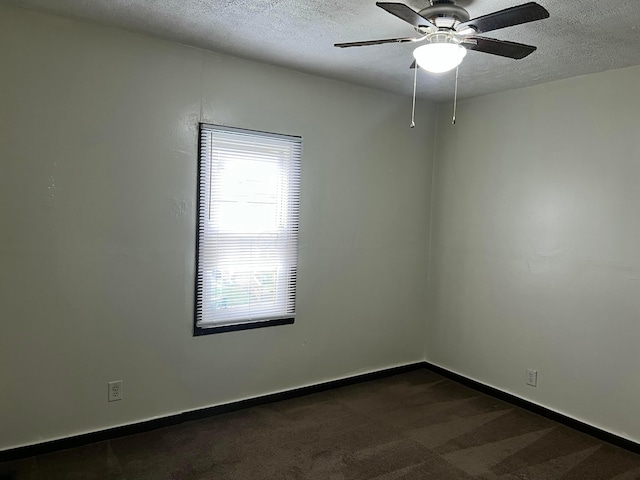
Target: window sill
(200, 331)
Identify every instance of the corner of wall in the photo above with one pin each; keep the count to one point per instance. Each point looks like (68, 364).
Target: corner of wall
(433, 169)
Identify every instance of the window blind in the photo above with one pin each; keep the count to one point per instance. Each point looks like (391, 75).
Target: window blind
(249, 196)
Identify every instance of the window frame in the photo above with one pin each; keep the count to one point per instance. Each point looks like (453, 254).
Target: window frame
(246, 325)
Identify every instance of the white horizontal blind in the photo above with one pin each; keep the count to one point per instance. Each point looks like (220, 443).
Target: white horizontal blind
(249, 195)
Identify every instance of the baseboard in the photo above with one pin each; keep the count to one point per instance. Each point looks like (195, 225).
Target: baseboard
(540, 410)
(148, 425)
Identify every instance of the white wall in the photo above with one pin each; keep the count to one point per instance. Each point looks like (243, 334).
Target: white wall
(97, 227)
(535, 258)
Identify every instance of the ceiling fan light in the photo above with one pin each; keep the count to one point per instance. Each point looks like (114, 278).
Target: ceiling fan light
(439, 57)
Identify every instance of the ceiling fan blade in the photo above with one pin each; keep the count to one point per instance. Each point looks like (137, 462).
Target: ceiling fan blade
(499, 47)
(405, 13)
(376, 42)
(528, 12)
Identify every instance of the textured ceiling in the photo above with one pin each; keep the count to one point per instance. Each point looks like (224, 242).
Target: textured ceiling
(582, 36)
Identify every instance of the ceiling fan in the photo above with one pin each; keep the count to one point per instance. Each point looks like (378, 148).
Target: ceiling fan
(449, 32)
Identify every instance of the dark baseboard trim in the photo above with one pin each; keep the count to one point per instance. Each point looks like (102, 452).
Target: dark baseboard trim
(148, 425)
(540, 410)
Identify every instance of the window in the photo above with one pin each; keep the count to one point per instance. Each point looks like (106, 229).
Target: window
(249, 196)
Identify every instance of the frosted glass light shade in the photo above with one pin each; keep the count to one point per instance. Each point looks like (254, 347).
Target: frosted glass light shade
(439, 57)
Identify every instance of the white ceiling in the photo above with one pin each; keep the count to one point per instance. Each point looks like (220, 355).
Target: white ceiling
(582, 36)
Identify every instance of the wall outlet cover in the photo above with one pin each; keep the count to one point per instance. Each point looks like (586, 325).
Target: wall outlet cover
(115, 391)
(532, 378)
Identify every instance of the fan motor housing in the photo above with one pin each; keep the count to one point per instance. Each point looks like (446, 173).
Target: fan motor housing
(445, 9)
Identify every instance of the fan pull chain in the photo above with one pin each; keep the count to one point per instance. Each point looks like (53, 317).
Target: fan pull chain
(455, 98)
(413, 108)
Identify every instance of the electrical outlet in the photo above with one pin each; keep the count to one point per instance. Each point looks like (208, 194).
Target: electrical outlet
(115, 390)
(532, 378)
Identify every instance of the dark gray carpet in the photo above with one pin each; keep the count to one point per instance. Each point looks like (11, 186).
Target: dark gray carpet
(417, 425)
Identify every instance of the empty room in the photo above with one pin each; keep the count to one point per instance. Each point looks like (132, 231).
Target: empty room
(323, 240)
